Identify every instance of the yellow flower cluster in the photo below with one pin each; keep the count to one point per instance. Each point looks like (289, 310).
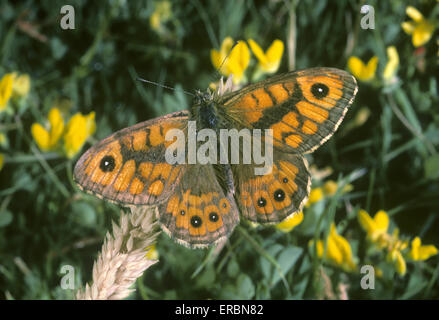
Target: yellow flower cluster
(5, 90)
(392, 64)
(315, 195)
(377, 233)
(361, 70)
(12, 85)
(338, 251)
(74, 134)
(237, 60)
(421, 31)
(327, 190)
(269, 61)
(419, 28)
(160, 16)
(367, 72)
(77, 131)
(290, 222)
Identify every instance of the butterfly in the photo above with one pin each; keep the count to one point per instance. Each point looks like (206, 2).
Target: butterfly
(199, 205)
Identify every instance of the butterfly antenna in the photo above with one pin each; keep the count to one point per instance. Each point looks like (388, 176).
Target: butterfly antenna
(165, 86)
(225, 58)
(184, 91)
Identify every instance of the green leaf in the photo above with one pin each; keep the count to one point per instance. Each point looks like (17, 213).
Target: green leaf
(232, 268)
(5, 218)
(301, 279)
(84, 213)
(245, 287)
(23, 181)
(206, 279)
(58, 48)
(286, 257)
(286, 260)
(266, 266)
(416, 284)
(431, 167)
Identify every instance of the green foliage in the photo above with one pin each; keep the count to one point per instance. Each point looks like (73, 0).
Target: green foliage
(390, 158)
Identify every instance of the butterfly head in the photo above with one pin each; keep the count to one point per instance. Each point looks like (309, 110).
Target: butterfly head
(202, 98)
(204, 110)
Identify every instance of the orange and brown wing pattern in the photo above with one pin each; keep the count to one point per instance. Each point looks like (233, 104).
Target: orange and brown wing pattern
(303, 108)
(272, 197)
(129, 167)
(200, 212)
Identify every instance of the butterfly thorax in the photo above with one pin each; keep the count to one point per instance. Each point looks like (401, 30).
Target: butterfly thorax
(204, 111)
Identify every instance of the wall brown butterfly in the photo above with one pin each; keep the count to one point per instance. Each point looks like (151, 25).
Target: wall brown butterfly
(199, 204)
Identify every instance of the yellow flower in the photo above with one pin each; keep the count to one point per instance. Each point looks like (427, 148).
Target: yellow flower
(47, 139)
(78, 130)
(21, 86)
(237, 61)
(361, 117)
(315, 195)
(392, 64)
(161, 14)
(378, 272)
(362, 71)
(2, 161)
(152, 253)
(330, 188)
(420, 29)
(419, 252)
(375, 227)
(290, 222)
(320, 247)
(217, 57)
(395, 242)
(270, 60)
(338, 251)
(6, 84)
(396, 257)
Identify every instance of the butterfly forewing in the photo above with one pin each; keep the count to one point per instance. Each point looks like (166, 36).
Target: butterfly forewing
(129, 167)
(303, 108)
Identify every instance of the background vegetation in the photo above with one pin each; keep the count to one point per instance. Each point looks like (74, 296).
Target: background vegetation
(385, 149)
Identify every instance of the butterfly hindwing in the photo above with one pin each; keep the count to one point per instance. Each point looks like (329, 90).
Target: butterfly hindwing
(129, 167)
(199, 212)
(303, 108)
(272, 197)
